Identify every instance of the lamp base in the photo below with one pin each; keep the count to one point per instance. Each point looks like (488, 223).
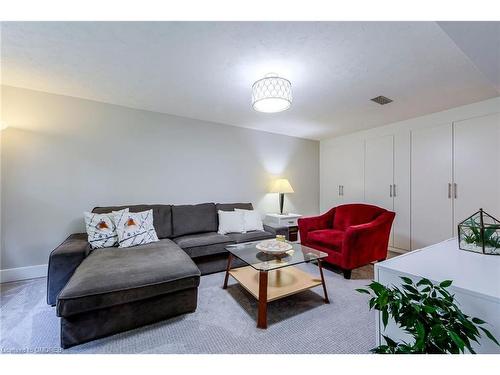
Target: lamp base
(282, 201)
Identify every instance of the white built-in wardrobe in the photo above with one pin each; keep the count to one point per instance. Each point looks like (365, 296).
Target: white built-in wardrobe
(455, 171)
(432, 176)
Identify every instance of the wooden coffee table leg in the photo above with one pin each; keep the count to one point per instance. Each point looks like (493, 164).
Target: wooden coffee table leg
(262, 316)
(323, 281)
(229, 260)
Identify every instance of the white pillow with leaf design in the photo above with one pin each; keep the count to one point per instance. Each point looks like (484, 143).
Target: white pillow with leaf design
(101, 229)
(135, 228)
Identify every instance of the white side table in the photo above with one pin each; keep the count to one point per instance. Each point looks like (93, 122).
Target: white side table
(288, 221)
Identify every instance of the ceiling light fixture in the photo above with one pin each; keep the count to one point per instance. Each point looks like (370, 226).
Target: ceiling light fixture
(271, 94)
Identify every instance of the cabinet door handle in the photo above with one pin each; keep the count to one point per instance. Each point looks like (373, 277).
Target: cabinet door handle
(342, 190)
(449, 191)
(390, 190)
(455, 194)
(339, 191)
(394, 190)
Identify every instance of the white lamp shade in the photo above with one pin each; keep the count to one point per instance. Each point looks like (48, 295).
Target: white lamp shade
(281, 186)
(271, 94)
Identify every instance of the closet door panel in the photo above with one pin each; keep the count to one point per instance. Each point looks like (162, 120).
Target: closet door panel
(379, 171)
(353, 171)
(331, 174)
(379, 174)
(402, 194)
(431, 205)
(477, 166)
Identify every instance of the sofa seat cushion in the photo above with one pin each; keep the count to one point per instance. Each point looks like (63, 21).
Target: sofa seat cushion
(114, 276)
(201, 244)
(254, 235)
(331, 238)
(201, 239)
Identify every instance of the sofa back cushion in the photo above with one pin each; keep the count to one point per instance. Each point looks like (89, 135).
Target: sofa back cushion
(232, 206)
(354, 214)
(162, 216)
(198, 218)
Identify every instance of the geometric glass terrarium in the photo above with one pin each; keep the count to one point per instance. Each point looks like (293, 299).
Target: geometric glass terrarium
(480, 233)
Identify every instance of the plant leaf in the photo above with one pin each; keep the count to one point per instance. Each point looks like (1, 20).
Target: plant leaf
(377, 287)
(410, 289)
(385, 317)
(362, 291)
(389, 341)
(490, 336)
(407, 280)
(425, 281)
(457, 340)
(420, 343)
(478, 321)
(429, 309)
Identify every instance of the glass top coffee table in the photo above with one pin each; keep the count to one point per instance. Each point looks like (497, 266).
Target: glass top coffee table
(271, 277)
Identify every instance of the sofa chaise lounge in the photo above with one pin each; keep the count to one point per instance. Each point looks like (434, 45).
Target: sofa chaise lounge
(105, 291)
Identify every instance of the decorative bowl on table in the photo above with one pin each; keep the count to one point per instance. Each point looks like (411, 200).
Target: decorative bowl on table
(274, 247)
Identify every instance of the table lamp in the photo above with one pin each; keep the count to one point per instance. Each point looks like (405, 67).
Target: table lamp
(281, 186)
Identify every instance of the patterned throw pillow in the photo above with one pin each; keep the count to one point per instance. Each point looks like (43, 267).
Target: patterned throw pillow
(101, 229)
(135, 228)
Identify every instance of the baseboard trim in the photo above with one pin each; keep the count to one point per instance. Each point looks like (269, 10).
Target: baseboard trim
(23, 273)
(399, 251)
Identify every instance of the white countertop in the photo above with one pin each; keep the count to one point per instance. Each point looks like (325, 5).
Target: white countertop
(445, 261)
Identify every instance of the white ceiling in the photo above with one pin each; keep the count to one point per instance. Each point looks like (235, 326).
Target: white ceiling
(205, 70)
(480, 41)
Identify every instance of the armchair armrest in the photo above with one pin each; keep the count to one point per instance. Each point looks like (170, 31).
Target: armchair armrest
(63, 261)
(367, 242)
(308, 224)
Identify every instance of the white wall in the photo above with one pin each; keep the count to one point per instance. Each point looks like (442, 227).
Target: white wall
(61, 156)
(331, 161)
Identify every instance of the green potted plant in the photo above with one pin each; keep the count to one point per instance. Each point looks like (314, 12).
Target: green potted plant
(427, 312)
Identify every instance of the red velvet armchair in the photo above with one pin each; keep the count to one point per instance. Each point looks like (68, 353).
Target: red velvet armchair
(352, 235)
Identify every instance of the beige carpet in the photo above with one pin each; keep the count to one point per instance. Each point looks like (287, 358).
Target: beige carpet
(365, 272)
(224, 322)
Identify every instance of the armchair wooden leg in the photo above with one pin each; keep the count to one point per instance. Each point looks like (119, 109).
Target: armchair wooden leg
(347, 274)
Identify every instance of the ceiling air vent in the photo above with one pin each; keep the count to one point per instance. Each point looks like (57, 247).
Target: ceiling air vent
(381, 100)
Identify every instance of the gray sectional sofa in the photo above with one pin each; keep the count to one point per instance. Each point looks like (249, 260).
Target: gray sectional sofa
(105, 291)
